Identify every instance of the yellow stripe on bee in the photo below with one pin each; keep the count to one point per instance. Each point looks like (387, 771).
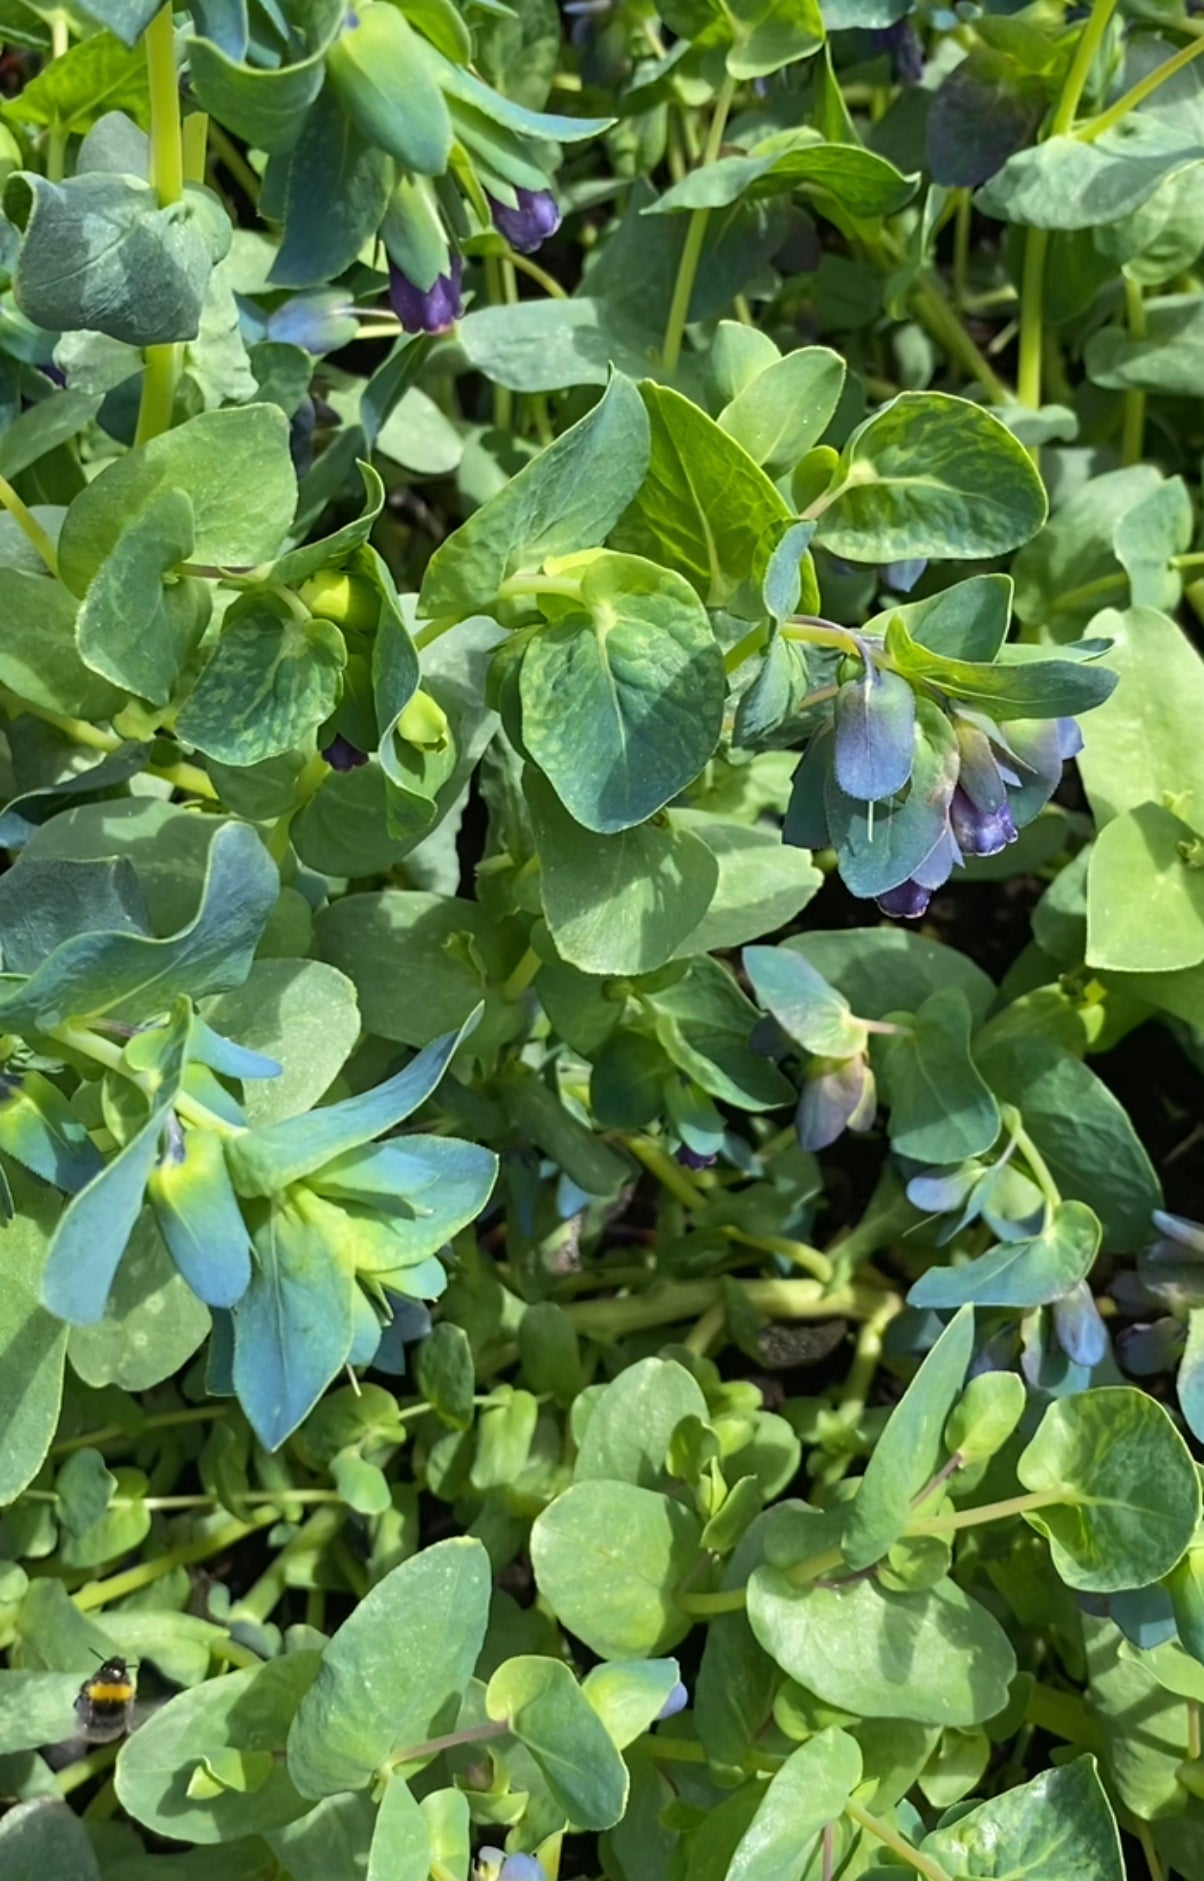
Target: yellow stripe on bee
(109, 1694)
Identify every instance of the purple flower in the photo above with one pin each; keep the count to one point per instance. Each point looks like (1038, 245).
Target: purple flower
(430, 310)
(691, 1159)
(529, 224)
(493, 1864)
(903, 47)
(1081, 1332)
(980, 832)
(677, 1701)
(907, 902)
(342, 755)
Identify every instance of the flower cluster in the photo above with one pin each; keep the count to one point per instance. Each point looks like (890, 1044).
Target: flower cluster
(908, 782)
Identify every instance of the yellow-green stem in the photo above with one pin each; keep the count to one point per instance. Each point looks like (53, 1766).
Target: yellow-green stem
(56, 140)
(923, 1864)
(1138, 93)
(29, 525)
(1132, 448)
(691, 254)
(1036, 243)
(539, 275)
(167, 176)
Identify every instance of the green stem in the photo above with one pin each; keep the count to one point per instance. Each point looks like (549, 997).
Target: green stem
(539, 275)
(1038, 1167)
(1138, 93)
(29, 525)
(935, 313)
(519, 587)
(1036, 243)
(691, 254)
(110, 1433)
(705, 1606)
(1132, 448)
(516, 984)
(133, 1580)
(232, 160)
(744, 649)
(675, 1180)
(422, 1753)
(687, 1299)
(797, 1252)
(986, 1512)
(107, 1052)
(167, 176)
(923, 1864)
(312, 1537)
(56, 141)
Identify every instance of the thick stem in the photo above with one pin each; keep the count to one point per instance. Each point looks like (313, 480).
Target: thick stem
(691, 254)
(1132, 448)
(56, 141)
(1036, 245)
(167, 176)
(29, 525)
(422, 1753)
(687, 1299)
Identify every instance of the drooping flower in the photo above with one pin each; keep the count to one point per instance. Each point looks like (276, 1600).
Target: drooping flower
(342, 755)
(427, 310)
(532, 220)
(980, 832)
(838, 1095)
(493, 1864)
(908, 902)
(677, 1701)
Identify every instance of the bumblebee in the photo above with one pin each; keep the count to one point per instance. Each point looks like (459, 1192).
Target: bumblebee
(105, 1702)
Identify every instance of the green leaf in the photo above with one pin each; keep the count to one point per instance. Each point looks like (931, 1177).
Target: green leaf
(539, 1114)
(1083, 1132)
(271, 681)
(236, 470)
(293, 1325)
(152, 1323)
(1035, 689)
(1129, 1493)
(301, 1013)
(911, 1448)
(38, 655)
(1059, 1827)
(458, 82)
(931, 475)
(243, 1711)
(862, 182)
(96, 1224)
(1142, 745)
(629, 1696)
(546, 1710)
(704, 505)
(780, 414)
(941, 1109)
(99, 252)
(809, 1011)
(569, 498)
(622, 703)
(967, 621)
(705, 1024)
(42, 1837)
(126, 630)
(134, 977)
(1145, 894)
(607, 1558)
(622, 903)
(396, 1670)
(40, 430)
(809, 1791)
(937, 1656)
(90, 79)
(880, 845)
(33, 1342)
(415, 959)
(445, 1374)
(627, 1437)
(763, 884)
(890, 969)
(1019, 1274)
(198, 1216)
(1168, 357)
(336, 189)
(266, 105)
(401, 1839)
(1068, 183)
(380, 76)
(267, 1160)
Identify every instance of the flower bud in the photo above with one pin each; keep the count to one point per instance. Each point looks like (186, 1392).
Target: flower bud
(430, 310)
(839, 1095)
(532, 220)
(423, 722)
(980, 832)
(1081, 1332)
(347, 600)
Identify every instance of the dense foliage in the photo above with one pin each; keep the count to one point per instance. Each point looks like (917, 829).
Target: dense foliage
(588, 1103)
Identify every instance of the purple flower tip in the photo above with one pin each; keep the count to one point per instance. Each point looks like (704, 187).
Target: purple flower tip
(531, 221)
(493, 1864)
(342, 755)
(980, 832)
(430, 310)
(690, 1159)
(677, 1701)
(907, 902)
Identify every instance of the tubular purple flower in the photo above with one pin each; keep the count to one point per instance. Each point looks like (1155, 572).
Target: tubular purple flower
(529, 224)
(907, 902)
(980, 832)
(342, 755)
(1081, 1332)
(1177, 1236)
(431, 310)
